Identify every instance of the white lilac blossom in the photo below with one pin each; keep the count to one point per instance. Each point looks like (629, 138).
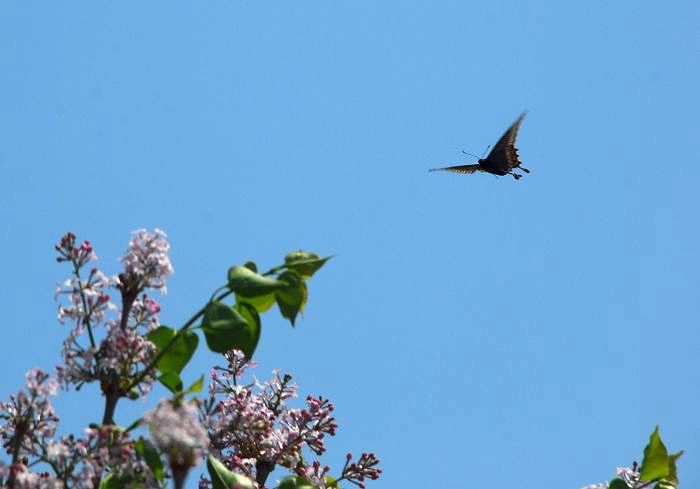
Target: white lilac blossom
(24, 479)
(88, 301)
(599, 485)
(629, 475)
(177, 432)
(146, 259)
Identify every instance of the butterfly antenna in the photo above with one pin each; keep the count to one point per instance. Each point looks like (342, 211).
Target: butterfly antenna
(475, 156)
(487, 148)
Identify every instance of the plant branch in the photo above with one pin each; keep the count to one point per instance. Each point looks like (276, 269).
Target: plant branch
(151, 365)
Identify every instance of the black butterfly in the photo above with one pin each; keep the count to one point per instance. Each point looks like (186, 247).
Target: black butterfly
(502, 159)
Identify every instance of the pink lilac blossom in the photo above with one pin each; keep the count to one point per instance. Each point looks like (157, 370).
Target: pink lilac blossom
(124, 351)
(29, 418)
(253, 429)
(364, 468)
(78, 361)
(146, 259)
(79, 255)
(314, 474)
(84, 461)
(257, 427)
(177, 432)
(144, 312)
(29, 423)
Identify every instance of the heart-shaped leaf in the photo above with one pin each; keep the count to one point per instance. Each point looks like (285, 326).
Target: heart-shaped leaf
(618, 484)
(295, 482)
(196, 386)
(304, 262)
(261, 303)
(656, 461)
(179, 352)
(222, 478)
(291, 299)
(246, 283)
(226, 328)
(171, 381)
(149, 453)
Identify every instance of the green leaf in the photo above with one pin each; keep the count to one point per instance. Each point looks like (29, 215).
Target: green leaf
(250, 314)
(108, 482)
(331, 482)
(304, 262)
(180, 351)
(134, 425)
(171, 381)
(113, 481)
(148, 452)
(246, 283)
(671, 480)
(295, 482)
(656, 463)
(261, 303)
(291, 300)
(222, 478)
(196, 386)
(226, 328)
(618, 484)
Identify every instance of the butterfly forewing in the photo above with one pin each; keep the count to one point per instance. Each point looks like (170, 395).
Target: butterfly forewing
(458, 169)
(504, 157)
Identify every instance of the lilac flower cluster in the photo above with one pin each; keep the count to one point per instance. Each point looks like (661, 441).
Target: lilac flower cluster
(177, 432)
(146, 260)
(249, 427)
(124, 351)
(254, 430)
(29, 418)
(364, 468)
(119, 359)
(27, 433)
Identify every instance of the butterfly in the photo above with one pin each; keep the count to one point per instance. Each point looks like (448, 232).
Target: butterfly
(502, 159)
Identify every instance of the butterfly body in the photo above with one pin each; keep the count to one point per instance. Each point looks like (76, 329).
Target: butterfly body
(502, 159)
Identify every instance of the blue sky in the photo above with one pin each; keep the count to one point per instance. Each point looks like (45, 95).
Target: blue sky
(472, 330)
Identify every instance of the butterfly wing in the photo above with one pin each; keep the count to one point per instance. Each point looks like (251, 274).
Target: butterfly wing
(504, 156)
(458, 168)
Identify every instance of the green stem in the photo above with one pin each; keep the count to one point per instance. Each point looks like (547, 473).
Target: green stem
(151, 365)
(274, 270)
(76, 272)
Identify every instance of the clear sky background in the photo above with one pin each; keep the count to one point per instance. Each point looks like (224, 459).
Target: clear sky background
(473, 331)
